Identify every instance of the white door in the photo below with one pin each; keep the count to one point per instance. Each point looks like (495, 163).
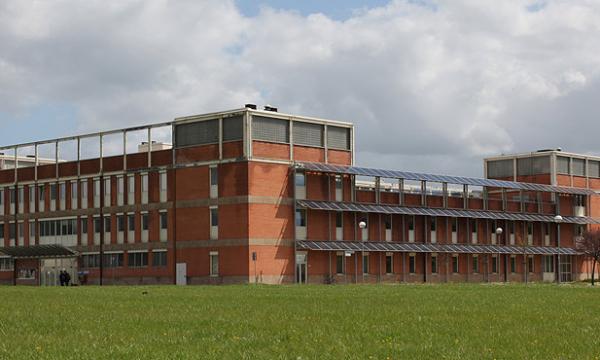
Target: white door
(181, 274)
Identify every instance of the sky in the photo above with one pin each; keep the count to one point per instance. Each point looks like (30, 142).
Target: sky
(431, 86)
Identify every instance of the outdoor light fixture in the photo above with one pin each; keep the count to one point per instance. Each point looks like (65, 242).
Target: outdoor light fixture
(558, 218)
(499, 231)
(362, 224)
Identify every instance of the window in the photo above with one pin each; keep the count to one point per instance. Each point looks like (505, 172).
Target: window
(339, 219)
(214, 217)
(197, 133)
(533, 165)
(90, 261)
(42, 192)
(455, 264)
(411, 264)
(163, 186)
(120, 185)
(97, 225)
(269, 129)
(338, 182)
(300, 179)
(214, 263)
(84, 225)
(454, 225)
(433, 224)
(339, 263)
(62, 191)
(548, 263)
(130, 189)
(2, 233)
(84, 194)
(31, 232)
(530, 264)
(137, 259)
(300, 217)
(434, 268)
(145, 221)
(475, 267)
(214, 176)
(513, 264)
(474, 228)
(593, 168)
(389, 264)
(73, 194)
(411, 223)
(562, 165)
(96, 192)
(12, 230)
(6, 264)
(338, 138)
(21, 198)
(52, 192)
(500, 168)
(159, 258)
(163, 220)
(31, 189)
(365, 263)
(494, 264)
(579, 200)
(131, 222)
(120, 223)
(112, 260)
(233, 128)
(578, 167)
(145, 183)
(107, 224)
(308, 134)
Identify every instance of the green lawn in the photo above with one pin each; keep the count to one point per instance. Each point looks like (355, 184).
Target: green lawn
(301, 322)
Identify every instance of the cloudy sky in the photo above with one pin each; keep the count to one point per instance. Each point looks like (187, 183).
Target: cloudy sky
(430, 85)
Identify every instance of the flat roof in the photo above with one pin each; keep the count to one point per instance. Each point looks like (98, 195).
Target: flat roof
(542, 153)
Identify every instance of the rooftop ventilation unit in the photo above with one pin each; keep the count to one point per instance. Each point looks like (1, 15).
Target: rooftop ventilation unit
(270, 108)
(250, 106)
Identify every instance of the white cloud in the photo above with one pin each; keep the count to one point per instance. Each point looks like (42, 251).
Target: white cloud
(433, 86)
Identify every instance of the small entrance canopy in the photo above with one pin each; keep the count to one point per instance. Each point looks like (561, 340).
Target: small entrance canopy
(37, 252)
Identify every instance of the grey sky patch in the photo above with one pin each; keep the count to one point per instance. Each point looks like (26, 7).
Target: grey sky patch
(431, 86)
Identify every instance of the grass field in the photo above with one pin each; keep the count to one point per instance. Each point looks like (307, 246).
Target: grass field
(301, 322)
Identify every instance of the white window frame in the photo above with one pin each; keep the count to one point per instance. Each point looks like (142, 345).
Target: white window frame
(212, 256)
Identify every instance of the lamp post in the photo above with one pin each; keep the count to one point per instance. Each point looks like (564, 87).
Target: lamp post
(558, 219)
(499, 235)
(362, 225)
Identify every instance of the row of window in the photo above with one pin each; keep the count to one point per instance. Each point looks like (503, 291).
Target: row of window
(115, 259)
(65, 231)
(547, 263)
(137, 259)
(473, 225)
(541, 165)
(58, 193)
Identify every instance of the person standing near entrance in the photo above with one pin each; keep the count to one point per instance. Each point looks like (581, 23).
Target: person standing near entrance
(62, 277)
(67, 278)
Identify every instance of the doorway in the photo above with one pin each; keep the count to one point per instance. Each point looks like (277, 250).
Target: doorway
(50, 270)
(301, 267)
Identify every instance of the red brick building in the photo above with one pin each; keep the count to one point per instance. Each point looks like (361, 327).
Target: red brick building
(248, 196)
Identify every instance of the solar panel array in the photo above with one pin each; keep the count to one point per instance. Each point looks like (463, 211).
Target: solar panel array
(394, 174)
(430, 248)
(409, 210)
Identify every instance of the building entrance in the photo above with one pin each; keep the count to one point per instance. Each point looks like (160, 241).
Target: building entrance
(50, 270)
(301, 267)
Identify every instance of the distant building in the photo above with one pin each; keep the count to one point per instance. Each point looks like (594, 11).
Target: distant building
(248, 195)
(8, 161)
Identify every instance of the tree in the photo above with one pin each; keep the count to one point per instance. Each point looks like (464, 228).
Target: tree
(589, 245)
